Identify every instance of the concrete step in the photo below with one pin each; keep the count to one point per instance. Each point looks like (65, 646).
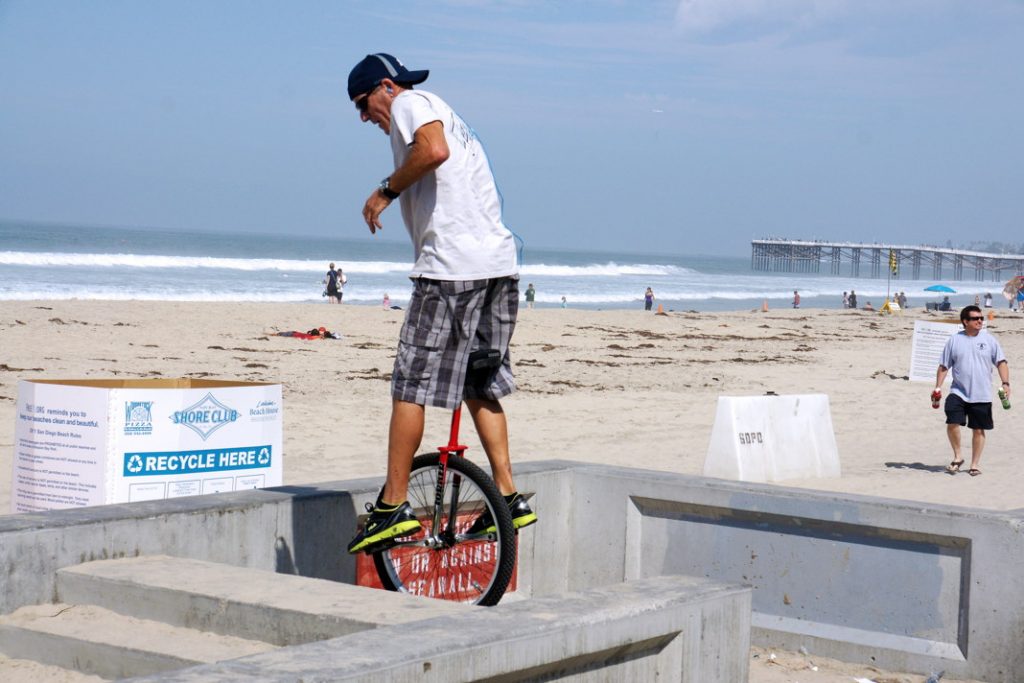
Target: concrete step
(93, 640)
(282, 609)
(27, 671)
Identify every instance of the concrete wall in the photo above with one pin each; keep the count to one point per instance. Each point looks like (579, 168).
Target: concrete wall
(909, 587)
(667, 629)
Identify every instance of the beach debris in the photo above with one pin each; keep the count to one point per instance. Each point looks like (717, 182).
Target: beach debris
(7, 368)
(864, 680)
(803, 651)
(587, 361)
(372, 373)
(883, 373)
(934, 677)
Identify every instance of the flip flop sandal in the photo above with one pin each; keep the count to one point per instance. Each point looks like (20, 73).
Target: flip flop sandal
(973, 472)
(954, 467)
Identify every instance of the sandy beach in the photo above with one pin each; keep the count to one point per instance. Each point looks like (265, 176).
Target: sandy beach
(618, 387)
(626, 388)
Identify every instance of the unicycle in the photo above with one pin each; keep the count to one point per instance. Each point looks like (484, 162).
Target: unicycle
(447, 559)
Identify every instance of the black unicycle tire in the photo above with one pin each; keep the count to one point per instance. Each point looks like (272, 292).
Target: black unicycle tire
(478, 570)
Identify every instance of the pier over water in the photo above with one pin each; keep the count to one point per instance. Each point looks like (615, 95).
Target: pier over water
(872, 260)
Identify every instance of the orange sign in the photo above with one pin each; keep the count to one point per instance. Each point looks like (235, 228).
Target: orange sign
(458, 573)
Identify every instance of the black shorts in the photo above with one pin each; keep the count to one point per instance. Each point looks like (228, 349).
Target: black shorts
(974, 415)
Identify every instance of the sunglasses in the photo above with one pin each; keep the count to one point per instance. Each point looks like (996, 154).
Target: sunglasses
(975, 318)
(364, 102)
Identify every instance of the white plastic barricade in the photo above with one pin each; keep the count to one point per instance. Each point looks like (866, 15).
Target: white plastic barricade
(772, 438)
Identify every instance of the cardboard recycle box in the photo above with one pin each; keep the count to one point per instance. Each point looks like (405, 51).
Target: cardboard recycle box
(93, 442)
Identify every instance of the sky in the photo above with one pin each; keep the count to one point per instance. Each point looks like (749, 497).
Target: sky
(687, 127)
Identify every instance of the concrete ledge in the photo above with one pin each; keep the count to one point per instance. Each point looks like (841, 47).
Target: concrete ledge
(234, 601)
(96, 641)
(665, 628)
(906, 586)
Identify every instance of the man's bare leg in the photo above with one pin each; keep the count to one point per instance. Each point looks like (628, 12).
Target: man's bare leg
(404, 437)
(953, 432)
(977, 446)
(489, 418)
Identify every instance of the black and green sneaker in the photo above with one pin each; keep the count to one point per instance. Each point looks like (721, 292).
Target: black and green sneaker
(520, 510)
(383, 524)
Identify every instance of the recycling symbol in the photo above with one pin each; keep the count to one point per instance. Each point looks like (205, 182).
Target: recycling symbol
(134, 464)
(264, 456)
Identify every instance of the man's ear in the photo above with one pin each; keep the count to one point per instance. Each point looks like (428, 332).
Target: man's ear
(389, 85)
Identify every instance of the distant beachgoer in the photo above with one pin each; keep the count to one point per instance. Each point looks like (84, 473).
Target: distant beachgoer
(853, 299)
(531, 294)
(977, 301)
(796, 299)
(970, 354)
(902, 298)
(846, 300)
(387, 301)
(868, 307)
(648, 299)
(988, 300)
(333, 282)
(564, 302)
(945, 305)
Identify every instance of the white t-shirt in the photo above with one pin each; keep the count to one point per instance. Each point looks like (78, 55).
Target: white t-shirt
(453, 214)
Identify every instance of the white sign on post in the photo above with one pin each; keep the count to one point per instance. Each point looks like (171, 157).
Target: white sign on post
(93, 442)
(772, 438)
(929, 340)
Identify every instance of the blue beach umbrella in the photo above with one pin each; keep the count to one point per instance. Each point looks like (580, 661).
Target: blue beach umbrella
(940, 288)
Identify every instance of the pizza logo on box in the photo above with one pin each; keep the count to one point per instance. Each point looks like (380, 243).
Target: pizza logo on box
(205, 416)
(138, 418)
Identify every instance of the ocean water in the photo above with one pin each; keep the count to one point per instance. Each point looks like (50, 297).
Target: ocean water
(50, 261)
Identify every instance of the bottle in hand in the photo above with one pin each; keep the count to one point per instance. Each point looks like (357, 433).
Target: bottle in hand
(1003, 399)
(936, 398)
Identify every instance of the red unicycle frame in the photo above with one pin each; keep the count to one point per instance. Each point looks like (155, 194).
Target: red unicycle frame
(466, 549)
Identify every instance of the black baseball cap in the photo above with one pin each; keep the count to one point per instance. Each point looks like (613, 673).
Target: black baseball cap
(365, 76)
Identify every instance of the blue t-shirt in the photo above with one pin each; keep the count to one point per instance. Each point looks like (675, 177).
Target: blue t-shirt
(971, 359)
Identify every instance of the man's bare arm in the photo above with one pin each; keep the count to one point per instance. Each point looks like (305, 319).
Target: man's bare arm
(428, 151)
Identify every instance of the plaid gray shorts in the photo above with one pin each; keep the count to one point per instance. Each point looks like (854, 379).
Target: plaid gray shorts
(446, 321)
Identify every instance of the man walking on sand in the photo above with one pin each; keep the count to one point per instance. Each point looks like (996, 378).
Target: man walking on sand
(970, 354)
(465, 283)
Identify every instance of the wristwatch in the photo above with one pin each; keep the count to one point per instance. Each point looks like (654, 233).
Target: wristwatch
(385, 189)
